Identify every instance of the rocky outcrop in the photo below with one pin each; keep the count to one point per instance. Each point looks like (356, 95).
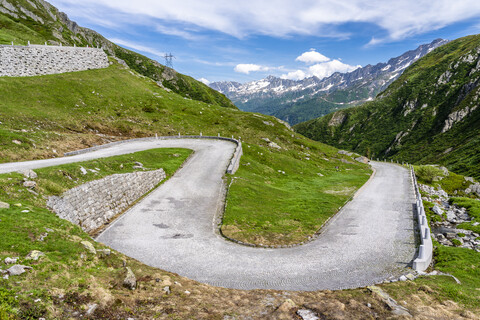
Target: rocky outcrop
(337, 119)
(19, 61)
(457, 116)
(93, 204)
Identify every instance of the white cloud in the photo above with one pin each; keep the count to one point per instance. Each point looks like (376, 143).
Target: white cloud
(294, 75)
(249, 67)
(400, 18)
(205, 81)
(326, 69)
(312, 56)
(136, 46)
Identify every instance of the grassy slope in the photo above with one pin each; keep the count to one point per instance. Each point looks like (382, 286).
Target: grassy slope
(21, 30)
(372, 128)
(52, 114)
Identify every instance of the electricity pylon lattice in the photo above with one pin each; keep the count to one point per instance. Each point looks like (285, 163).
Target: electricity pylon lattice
(169, 60)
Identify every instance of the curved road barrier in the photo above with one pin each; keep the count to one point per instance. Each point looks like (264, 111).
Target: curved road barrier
(425, 251)
(174, 227)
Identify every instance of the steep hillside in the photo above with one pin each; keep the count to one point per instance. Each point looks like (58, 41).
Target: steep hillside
(38, 22)
(297, 101)
(429, 115)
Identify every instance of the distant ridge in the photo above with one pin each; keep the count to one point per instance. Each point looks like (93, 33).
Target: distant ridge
(297, 101)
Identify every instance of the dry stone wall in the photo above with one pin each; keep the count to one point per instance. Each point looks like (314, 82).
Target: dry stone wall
(33, 60)
(93, 204)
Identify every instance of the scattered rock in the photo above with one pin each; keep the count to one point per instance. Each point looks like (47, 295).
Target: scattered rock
(362, 159)
(18, 269)
(268, 123)
(9, 260)
(307, 314)
(34, 255)
(17, 142)
(91, 309)
(274, 145)
(17, 204)
(410, 277)
(130, 280)
(392, 304)
(104, 252)
(83, 170)
(30, 184)
(4, 205)
(29, 174)
(166, 289)
(89, 247)
(287, 306)
(402, 278)
(451, 216)
(436, 209)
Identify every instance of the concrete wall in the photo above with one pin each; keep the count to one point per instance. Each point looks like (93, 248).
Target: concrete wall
(425, 251)
(93, 204)
(231, 169)
(33, 60)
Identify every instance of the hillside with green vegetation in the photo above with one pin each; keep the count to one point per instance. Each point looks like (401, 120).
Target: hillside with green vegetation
(429, 115)
(38, 22)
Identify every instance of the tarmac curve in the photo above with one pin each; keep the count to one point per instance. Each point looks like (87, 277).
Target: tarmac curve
(174, 229)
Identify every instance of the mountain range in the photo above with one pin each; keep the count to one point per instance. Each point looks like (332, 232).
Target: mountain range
(430, 114)
(301, 100)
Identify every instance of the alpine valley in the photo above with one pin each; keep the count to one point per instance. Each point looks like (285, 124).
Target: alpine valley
(297, 101)
(429, 115)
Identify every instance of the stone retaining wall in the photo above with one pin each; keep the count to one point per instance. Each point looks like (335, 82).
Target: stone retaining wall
(33, 60)
(93, 204)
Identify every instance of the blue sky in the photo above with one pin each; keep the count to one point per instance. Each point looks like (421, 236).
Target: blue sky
(219, 40)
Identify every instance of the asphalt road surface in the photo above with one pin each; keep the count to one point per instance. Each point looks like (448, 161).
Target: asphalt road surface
(173, 228)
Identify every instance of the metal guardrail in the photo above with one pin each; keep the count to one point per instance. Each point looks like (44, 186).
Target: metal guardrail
(231, 169)
(425, 251)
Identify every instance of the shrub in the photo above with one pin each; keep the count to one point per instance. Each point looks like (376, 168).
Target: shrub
(428, 173)
(456, 242)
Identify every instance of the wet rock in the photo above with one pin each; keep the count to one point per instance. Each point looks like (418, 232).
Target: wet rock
(34, 255)
(89, 247)
(130, 280)
(18, 269)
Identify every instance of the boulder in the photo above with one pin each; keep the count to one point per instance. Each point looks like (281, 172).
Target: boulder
(451, 216)
(362, 159)
(274, 145)
(34, 255)
(18, 269)
(9, 260)
(29, 174)
(89, 247)
(30, 184)
(436, 209)
(130, 280)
